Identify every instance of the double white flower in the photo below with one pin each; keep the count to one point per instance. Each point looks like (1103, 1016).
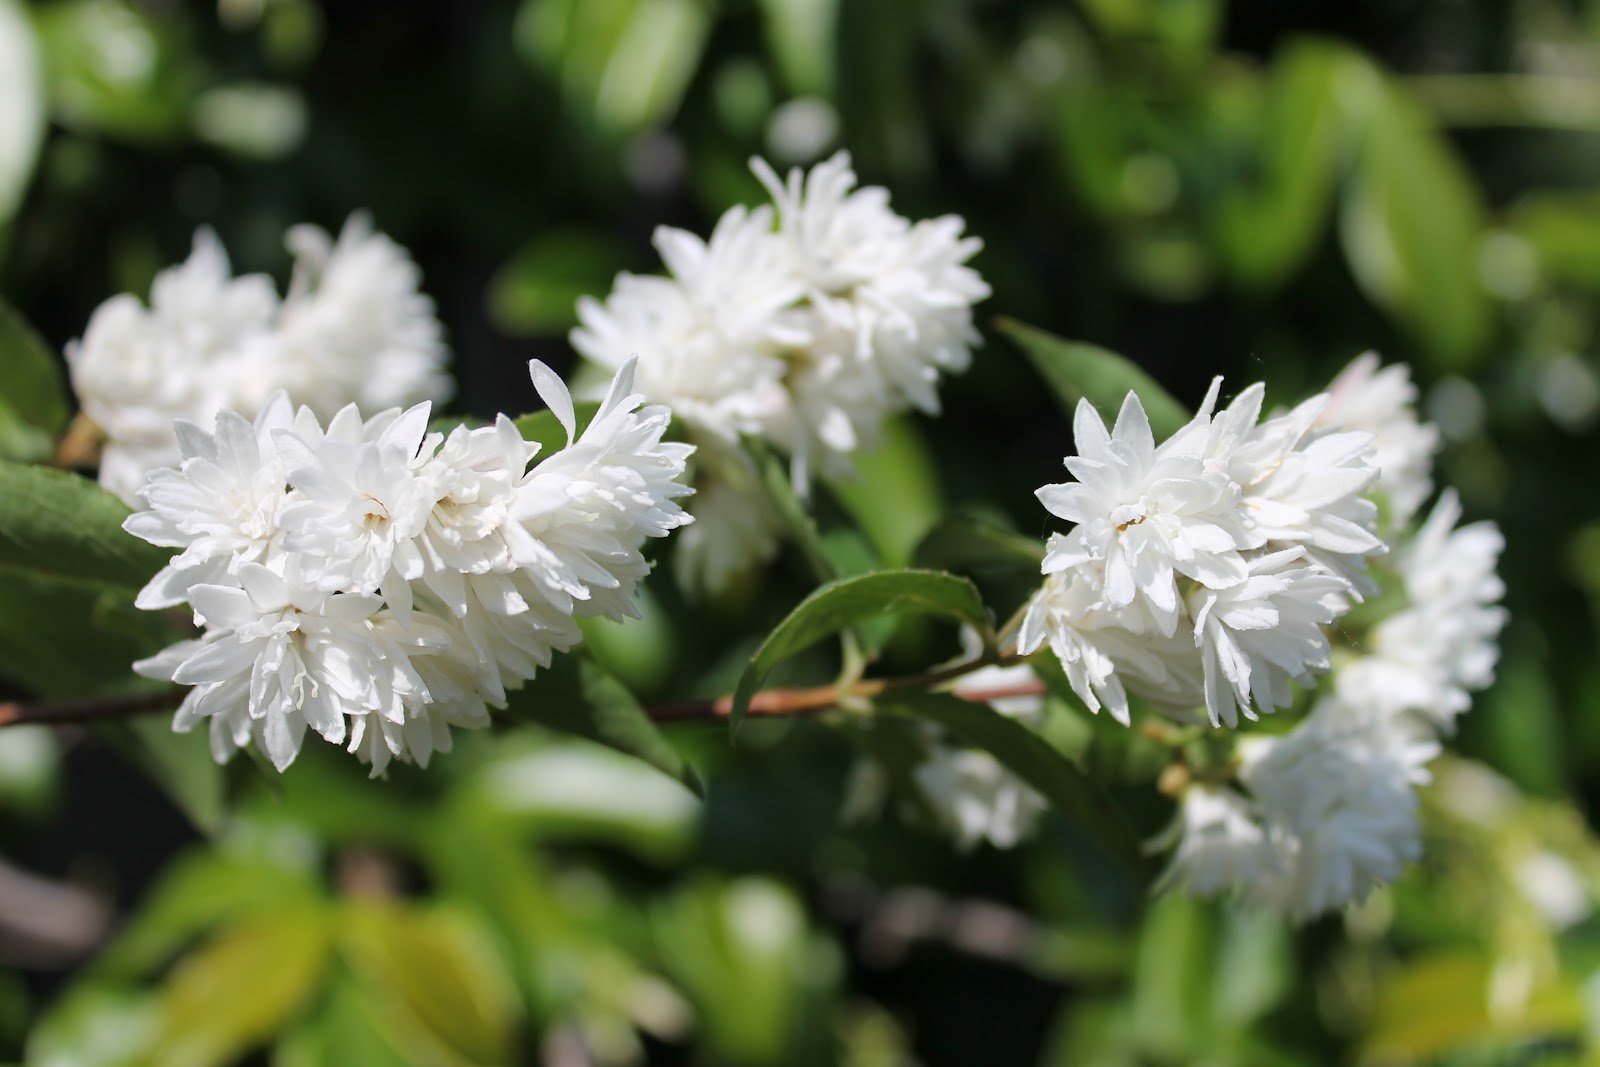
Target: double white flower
(1328, 810)
(1205, 569)
(806, 322)
(354, 328)
(378, 583)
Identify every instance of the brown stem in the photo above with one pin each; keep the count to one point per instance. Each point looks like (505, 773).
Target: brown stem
(765, 704)
(93, 709)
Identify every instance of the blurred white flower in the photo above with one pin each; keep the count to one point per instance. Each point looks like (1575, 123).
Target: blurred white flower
(356, 326)
(1383, 402)
(1340, 787)
(378, 583)
(1219, 844)
(354, 329)
(1432, 655)
(137, 370)
(807, 326)
(977, 798)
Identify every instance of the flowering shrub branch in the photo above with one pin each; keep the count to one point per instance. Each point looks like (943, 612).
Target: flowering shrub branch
(357, 572)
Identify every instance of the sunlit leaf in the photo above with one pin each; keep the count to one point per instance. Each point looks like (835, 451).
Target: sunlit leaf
(440, 970)
(848, 601)
(236, 991)
(1079, 371)
(1411, 224)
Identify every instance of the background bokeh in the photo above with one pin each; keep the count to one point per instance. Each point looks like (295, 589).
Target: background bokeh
(1256, 189)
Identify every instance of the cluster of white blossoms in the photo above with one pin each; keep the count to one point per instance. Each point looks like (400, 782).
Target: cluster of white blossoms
(1205, 570)
(805, 322)
(378, 583)
(353, 328)
(1324, 813)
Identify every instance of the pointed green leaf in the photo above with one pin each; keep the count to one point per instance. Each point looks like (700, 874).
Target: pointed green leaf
(962, 542)
(1032, 759)
(55, 522)
(577, 696)
(1077, 371)
(848, 601)
(236, 991)
(33, 396)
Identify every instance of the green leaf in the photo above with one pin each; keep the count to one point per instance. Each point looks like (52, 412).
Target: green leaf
(740, 950)
(94, 1025)
(33, 397)
(438, 973)
(543, 428)
(628, 62)
(55, 522)
(894, 496)
(848, 601)
(22, 117)
(537, 290)
(800, 527)
(61, 638)
(1268, 222)
(143, 97)
(567, 788)
(1411, 226)
(1079, 371)
(577, 696)
(238, 990)
(1032, 759)
(202, 890)
(963, 542)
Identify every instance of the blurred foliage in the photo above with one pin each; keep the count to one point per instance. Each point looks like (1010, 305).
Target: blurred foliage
(1255, 189)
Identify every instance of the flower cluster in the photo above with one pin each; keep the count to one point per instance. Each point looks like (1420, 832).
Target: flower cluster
(805, 322)
(1207, 569)
(378, 583)
(1328, 811)
(354, 328)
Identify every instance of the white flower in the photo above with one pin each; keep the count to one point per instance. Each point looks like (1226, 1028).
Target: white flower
(1301, 489)
(356, 327)
(890, 305)
(139, 369)
(710, 337)
(1147, 514)
(1105, 654)
(279, 656)
(974, 795)
(1260, 635)
(378, 583)
(735, 528)
(220, 507)
(1383, 403)
(1341, 788)
(978, 798)
(1220, 844)
(359, 501)
(1430, 656)
(807, 327)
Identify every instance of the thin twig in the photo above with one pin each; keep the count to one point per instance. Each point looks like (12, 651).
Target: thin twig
(765, 704)
(91, 709)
